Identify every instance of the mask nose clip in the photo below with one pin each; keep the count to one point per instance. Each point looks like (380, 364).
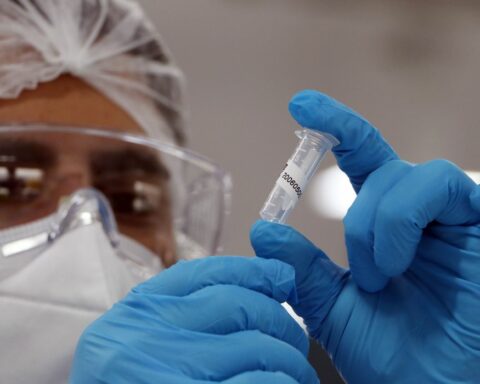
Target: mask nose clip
(84, 207)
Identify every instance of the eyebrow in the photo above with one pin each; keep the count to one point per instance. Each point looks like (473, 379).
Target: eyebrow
(127, 160)
(14, 151)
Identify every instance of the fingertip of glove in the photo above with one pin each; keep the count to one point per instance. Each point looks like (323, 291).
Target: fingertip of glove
(267, 237)
(282, 242)
(263, 227)
(304, 105)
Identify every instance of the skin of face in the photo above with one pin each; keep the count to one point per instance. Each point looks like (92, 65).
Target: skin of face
(68, 101)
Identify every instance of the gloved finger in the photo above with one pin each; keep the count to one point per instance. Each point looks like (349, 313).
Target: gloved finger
(319, 281)
(261, 377)
(475, 198)
(434, 191)
(225, 309)
(135, 361)
(270, 277)
(359, 225)
(199, 356)
(362, 148)
(247, 351)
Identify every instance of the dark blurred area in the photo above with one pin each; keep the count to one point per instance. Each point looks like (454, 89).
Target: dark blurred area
(323, 365)
(409, 66)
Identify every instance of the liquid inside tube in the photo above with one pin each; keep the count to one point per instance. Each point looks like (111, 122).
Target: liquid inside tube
(296, 175)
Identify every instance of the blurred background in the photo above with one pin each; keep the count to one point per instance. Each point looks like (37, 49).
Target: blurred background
(410, 67)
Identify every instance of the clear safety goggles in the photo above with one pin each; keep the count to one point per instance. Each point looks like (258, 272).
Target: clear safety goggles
(162, 196)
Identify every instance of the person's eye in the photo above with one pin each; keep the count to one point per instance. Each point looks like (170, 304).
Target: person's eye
(132, 197)
(20, 184)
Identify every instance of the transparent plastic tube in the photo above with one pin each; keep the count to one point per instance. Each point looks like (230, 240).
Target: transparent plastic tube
(296, 175)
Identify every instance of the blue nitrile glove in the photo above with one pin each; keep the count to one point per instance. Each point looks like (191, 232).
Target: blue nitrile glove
(413, 241)
(214, 320)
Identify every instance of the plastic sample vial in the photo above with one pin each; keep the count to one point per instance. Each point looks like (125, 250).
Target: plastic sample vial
(296, 175)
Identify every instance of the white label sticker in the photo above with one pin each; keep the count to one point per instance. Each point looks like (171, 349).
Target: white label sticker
(292, 180)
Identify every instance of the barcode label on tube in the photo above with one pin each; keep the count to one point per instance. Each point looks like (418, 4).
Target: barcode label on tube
(292, 180)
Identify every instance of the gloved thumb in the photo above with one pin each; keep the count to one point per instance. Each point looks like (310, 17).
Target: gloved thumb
(319, 281)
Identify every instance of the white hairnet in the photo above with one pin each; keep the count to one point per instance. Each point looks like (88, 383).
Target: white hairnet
(108, 43)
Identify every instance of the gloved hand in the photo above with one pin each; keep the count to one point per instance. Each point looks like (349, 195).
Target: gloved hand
(413, 241)
(215, 320)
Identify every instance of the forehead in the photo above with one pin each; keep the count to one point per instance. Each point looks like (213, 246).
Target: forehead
(66, 141)
(67, 101)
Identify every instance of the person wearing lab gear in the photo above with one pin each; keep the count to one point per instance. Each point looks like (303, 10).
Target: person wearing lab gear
(406, 311)
(214, 319)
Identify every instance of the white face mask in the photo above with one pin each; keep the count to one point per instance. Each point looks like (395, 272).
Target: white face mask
(46, 301)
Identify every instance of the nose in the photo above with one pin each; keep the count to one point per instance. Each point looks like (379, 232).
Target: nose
(85, 207)
(72, 182)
